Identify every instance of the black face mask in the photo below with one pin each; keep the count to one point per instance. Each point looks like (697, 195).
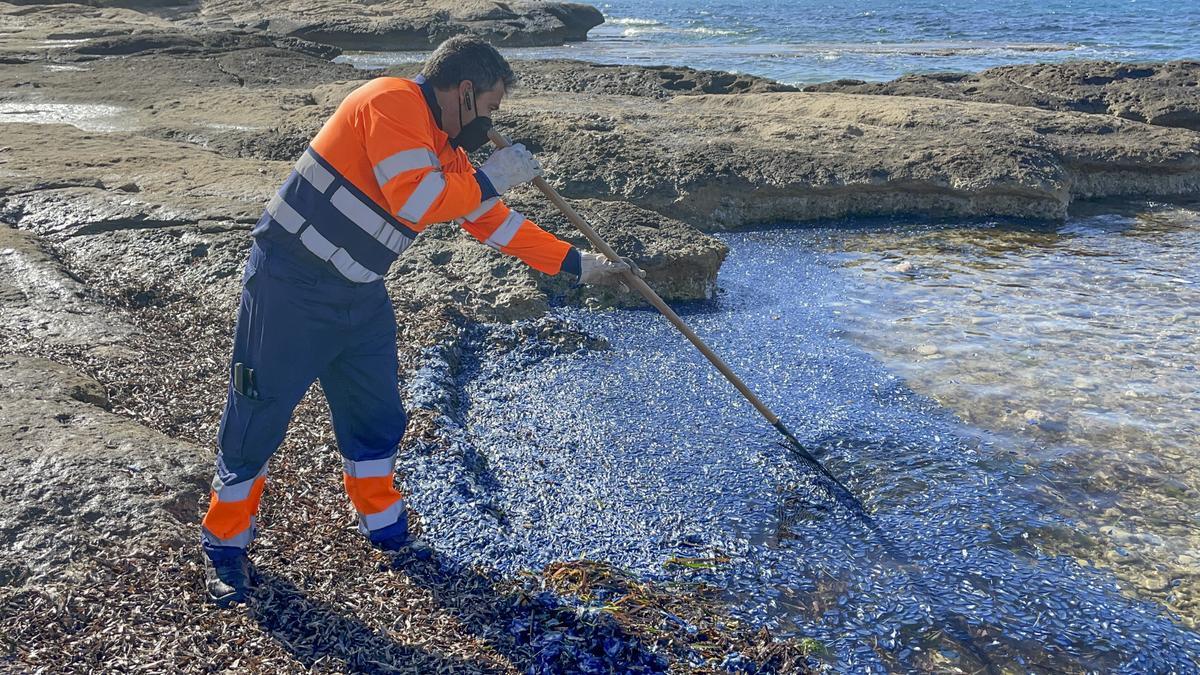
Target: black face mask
(473, 136)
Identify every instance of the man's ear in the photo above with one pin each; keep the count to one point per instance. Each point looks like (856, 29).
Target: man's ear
(467, 91)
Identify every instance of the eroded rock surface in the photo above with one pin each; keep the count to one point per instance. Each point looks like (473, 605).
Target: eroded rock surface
(731, 161)
(30, 29)
(1165, 94)
(445, 265)
(604, 79)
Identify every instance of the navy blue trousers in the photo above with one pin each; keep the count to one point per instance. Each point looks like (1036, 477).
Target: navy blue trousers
(299, 322)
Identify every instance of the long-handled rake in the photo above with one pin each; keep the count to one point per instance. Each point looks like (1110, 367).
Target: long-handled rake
(840, 493)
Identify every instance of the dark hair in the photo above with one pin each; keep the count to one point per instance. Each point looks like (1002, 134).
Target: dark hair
(465, 57)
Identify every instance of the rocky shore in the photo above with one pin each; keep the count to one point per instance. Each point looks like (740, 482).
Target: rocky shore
(139, 143)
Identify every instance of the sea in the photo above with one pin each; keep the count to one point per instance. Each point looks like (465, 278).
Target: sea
(806, 41)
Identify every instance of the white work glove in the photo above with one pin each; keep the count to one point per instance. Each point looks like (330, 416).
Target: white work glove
(511, 166)
(598, 270)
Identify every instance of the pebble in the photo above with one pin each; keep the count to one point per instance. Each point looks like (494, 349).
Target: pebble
(927, 350)
(903, 267)
(1083, 384)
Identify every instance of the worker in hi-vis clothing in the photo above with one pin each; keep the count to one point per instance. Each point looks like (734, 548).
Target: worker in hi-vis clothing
(391, 161)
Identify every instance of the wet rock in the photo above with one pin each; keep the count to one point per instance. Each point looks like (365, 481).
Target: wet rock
(927, 350)
(1164, 94)
(79, 484)
(42, 303)
(43, 379)
(1033, 416)
(64, 193)
(1044, 420)
(1084, 384)
(232, 92)
(392, 25)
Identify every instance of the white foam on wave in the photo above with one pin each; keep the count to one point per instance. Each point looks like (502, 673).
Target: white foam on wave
(635, 31)
(631, 21)
(823, 49)
(712, 31)
(658, 29)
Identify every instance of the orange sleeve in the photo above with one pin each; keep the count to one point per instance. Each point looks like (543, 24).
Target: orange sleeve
(399, 143)
(511, 233)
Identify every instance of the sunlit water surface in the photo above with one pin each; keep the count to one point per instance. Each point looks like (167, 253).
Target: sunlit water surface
(801, 41)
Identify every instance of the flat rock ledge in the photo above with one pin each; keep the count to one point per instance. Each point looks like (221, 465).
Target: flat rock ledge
(1164, 94)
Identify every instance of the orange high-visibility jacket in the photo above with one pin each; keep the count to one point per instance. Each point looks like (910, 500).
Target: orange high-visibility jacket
(378, 173)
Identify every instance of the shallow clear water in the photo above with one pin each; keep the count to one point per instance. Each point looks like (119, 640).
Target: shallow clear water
(642, 453)
(802, 41)
(1079, 342)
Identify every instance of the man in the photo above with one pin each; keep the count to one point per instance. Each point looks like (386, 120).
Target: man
(391, 161)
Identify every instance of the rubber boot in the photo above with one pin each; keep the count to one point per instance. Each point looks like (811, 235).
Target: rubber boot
(229, 579)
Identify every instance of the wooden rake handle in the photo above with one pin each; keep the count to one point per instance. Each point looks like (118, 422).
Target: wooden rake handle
(634, 281)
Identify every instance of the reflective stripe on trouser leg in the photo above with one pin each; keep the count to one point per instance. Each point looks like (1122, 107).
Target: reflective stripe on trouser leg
(230, 519)
(372, 489)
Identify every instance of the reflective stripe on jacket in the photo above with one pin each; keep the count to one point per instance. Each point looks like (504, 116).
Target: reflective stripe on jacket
(378, 173)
